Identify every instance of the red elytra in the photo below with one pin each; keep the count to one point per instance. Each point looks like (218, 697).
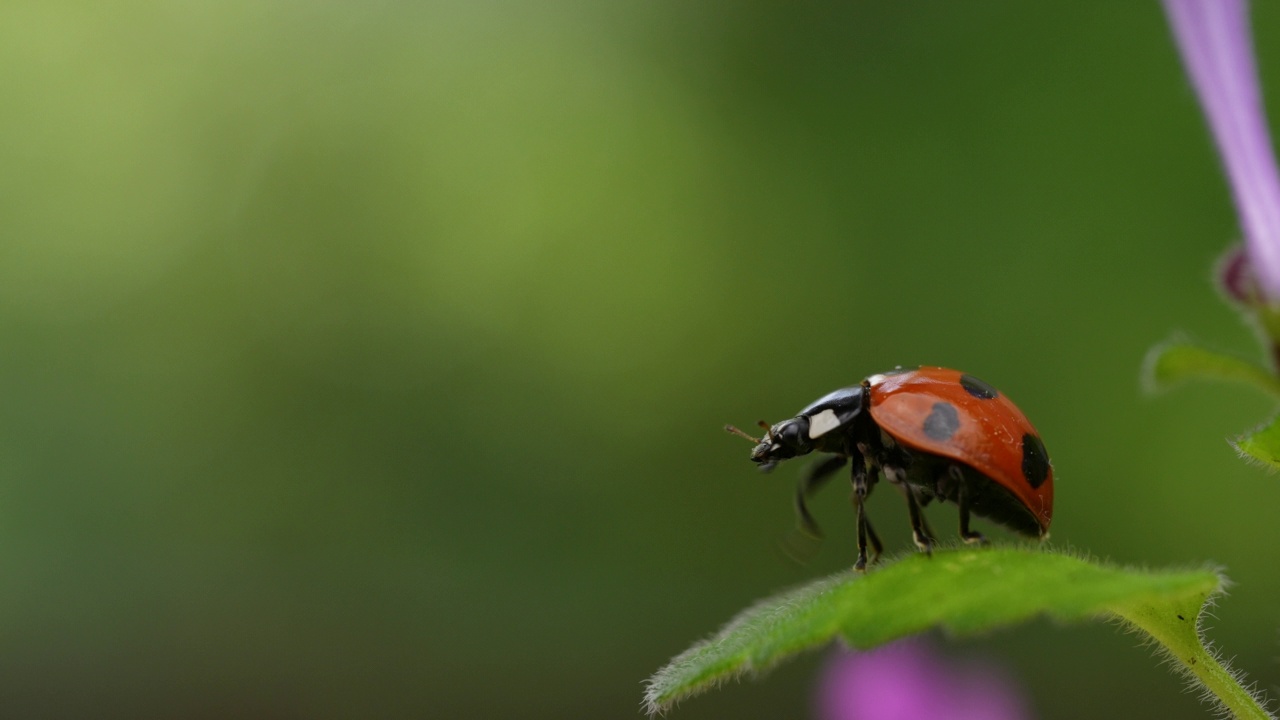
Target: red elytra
(993, 436)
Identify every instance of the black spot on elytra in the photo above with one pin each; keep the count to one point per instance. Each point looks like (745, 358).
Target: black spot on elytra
(942, 422)
(978, 388)
(1035, 460)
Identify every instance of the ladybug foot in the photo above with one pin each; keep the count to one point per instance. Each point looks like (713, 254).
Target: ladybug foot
(924, 542)
(975, 538)
(862, 562)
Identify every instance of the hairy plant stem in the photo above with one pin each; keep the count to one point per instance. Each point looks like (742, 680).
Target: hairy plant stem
(1191, 657)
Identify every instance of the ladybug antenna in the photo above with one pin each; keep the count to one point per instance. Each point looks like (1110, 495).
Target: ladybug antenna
(735, 431)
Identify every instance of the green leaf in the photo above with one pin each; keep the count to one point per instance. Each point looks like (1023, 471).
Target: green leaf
(1262, 445)
(1177, 361)
(964, 591)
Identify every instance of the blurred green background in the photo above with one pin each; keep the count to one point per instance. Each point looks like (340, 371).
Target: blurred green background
(370, 359)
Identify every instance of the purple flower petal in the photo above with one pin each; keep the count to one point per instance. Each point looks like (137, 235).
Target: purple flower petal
(1214, 40)
(908, 680)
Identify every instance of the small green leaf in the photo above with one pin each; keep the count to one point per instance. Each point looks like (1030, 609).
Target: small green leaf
(1176, 361)
(964, 591)
(1262, 445)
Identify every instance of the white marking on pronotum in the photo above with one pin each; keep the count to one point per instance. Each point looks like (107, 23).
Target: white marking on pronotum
(823, 423)
(876, 379)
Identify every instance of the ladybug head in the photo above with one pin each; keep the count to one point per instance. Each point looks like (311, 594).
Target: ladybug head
(781, 441)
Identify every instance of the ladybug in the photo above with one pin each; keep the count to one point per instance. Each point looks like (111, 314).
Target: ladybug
(934, 433)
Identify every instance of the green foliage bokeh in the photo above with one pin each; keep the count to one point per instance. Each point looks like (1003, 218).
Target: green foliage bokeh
(371, 359)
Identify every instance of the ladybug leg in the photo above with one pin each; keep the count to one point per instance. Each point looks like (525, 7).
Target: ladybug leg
(861, 489)
(877, 548)
(920, 531)
(962, 499)
(811, 481)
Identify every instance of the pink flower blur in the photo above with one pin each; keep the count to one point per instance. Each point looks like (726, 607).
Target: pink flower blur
(908, 680)
(1214, 40)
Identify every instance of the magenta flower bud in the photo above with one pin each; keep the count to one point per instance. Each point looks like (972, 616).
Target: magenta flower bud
(909, 680)
(1217, 49)
(1235, 277)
